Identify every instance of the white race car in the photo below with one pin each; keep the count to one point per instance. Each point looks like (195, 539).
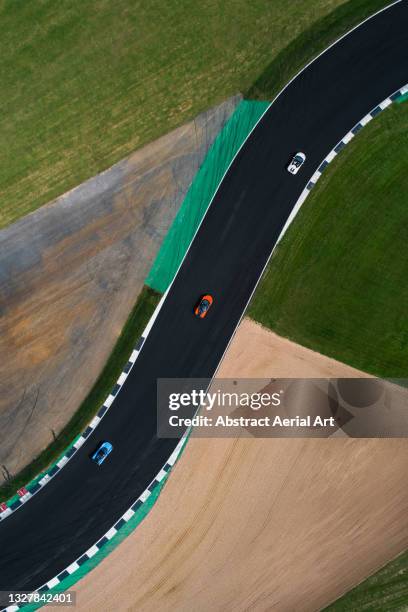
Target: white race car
(296, 163)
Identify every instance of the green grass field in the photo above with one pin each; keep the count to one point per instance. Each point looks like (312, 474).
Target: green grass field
(83, 84)
(337, 282)
(385, 591)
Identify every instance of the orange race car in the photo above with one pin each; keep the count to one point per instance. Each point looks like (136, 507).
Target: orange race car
(203, 306)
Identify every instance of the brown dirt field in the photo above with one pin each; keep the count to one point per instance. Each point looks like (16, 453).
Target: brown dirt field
(256, 352)
(261, 524)
(71, 272)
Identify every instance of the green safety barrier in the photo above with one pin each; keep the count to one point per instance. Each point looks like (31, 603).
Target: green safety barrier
(202, 189)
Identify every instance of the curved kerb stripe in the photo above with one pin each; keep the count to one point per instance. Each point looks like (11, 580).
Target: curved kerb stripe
(73, 567)
(339, 146)
(26, 493)
(91, 552)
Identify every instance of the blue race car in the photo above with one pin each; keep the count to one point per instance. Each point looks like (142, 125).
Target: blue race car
(102, 452)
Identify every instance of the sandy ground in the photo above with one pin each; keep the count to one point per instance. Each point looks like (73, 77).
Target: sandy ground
(70, 274)
(261, 524)
(256, 353)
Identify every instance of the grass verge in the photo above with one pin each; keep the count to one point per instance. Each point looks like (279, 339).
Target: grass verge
(386, 590)
(337, 282)
(138, 318)
(312, 41)
(86, 83)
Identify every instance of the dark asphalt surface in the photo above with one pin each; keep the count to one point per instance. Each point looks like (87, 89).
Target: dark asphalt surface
(227, 256)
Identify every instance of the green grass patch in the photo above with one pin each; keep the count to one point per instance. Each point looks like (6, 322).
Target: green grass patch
(309, 44)
(134, 326)
(86, 83)
(386, 590)
(337, 282)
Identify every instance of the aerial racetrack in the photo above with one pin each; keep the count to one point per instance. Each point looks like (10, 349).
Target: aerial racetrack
(226, 259)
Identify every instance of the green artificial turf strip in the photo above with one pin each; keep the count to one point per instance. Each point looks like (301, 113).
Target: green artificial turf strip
(337, 282)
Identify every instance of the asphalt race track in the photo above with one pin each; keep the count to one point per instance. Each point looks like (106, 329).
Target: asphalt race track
(226, 258)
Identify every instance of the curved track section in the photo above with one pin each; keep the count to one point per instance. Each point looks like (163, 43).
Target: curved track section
(226, 259)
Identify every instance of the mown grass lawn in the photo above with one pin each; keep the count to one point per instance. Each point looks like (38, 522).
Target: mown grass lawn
(83, 84)
(386, 590)
(338, 281)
